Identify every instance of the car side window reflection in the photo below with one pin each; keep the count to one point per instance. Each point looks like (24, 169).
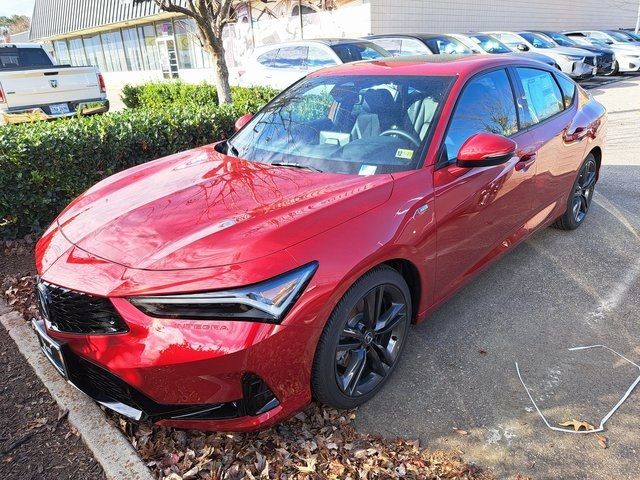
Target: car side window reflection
(486, 105)
(568, 89)
(541, 93)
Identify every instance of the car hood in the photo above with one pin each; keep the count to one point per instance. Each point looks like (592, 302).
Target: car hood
(201, 208)
(626, 48)
(570, 51)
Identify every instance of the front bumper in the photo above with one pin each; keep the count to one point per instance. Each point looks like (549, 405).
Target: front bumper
(43, 112)
(225, 376)
(629, 63)
(581, 70)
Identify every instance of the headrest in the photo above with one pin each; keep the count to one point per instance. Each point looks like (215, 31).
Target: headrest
(377, 100)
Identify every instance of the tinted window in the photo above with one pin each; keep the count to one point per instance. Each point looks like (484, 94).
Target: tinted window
(268, 58)
(541, 93)
(447, 45)
(489, 44)
(291, 57)
(568, 88)
(352, 52)
(23, 57)
(561, 39)
(536, 40)
(486, 105)
(318, 57)
(346, 124)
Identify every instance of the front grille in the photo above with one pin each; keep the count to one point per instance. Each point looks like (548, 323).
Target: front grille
(590, 61)
(106, 388)
(75, 312)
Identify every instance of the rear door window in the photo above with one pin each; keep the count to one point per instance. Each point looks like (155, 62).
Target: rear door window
(486, 105)
(318, 57)
(541, 93)
(291, 57)
(568, 88)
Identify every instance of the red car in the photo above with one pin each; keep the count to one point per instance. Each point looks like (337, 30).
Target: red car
(226, 287)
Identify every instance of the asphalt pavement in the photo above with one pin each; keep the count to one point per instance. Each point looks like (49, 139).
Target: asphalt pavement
(557, 290)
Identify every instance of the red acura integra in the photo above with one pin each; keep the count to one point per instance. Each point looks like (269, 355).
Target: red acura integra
(225, 287)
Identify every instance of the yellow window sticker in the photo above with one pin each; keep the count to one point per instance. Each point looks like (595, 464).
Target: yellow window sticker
(404, 153)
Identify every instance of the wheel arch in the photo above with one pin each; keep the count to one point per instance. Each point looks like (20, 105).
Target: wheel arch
(597, 153)
(411, 275)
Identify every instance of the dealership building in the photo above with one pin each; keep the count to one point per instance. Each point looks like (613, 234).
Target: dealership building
(133, 41)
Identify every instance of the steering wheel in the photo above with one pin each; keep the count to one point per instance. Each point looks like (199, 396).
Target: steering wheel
(413, 138)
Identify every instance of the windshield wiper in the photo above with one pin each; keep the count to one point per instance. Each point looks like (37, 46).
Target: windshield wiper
(296, 165)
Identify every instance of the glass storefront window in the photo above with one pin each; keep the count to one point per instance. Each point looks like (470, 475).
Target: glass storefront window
(113, 51)
(76, 52)
(164, 29)
(93, 49)
(132, 49)
(62, 52)
(188, 44)
(147, 37)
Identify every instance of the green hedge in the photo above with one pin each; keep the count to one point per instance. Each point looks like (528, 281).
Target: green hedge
(44, 165)
(161, 94)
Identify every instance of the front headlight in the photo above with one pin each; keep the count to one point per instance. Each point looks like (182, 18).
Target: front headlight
(267, 301)
(574, 58)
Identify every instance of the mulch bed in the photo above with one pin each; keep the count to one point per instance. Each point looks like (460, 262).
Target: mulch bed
(318, 443)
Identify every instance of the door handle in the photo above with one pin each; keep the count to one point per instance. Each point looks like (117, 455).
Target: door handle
(575, 135)
(525, 161)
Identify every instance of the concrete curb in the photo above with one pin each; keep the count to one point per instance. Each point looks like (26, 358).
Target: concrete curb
(108, 445)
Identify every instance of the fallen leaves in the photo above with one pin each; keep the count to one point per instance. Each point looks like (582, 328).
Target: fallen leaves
(459, 431)
(602, 440)
(20, 295)
(577, 425)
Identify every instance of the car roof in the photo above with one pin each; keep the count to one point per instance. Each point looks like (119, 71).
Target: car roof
(20, 45)
(436, 65)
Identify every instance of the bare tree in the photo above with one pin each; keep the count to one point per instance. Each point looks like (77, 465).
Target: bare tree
(210, 16)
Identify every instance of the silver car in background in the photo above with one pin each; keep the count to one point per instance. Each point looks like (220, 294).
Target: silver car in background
(627, 51)
(487, 45)
(578, 64)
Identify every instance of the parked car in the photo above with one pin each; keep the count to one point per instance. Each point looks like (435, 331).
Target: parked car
(231, 284)
(33, 87)
(605, 57)
(631, 34)
(576, 63)
(282, 64)
(486, 44)
(420, 44)
(627, 53)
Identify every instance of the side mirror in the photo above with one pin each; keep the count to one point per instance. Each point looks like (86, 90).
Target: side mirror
(522, 47)
(242, 121)
(485, 149)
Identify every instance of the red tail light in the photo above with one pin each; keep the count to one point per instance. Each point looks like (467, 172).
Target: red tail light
(103, 87)
(2, 97)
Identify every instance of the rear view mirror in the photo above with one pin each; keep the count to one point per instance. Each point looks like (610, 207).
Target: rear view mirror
(522, 47)
(242, 121)
(485, 149)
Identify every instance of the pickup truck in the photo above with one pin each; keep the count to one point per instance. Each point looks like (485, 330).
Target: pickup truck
(32, 87)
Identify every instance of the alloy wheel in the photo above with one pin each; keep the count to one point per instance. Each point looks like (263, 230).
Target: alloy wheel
(371, 340)
(583, 192)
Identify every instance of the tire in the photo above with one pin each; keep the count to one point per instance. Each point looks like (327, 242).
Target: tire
(353, 361)
(580, 196)
(615, 70)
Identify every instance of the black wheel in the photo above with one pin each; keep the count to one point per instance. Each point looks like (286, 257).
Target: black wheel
(615, 70)
(363, 339)
(581, 195)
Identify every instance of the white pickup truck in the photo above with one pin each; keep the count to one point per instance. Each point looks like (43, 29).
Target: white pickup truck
(32, 87)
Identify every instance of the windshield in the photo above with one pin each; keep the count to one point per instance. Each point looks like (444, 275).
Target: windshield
(447, 45)
(355, 51)
(536, 40)
(633, 36)
(346, 124)
(621, 37)
(561, 39)
(489, 44)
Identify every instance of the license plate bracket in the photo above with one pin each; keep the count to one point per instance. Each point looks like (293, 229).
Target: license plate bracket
(50, 347)
(59, 109)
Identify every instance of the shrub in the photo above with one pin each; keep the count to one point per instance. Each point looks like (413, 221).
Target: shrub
(44, 165)
(162, 94)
